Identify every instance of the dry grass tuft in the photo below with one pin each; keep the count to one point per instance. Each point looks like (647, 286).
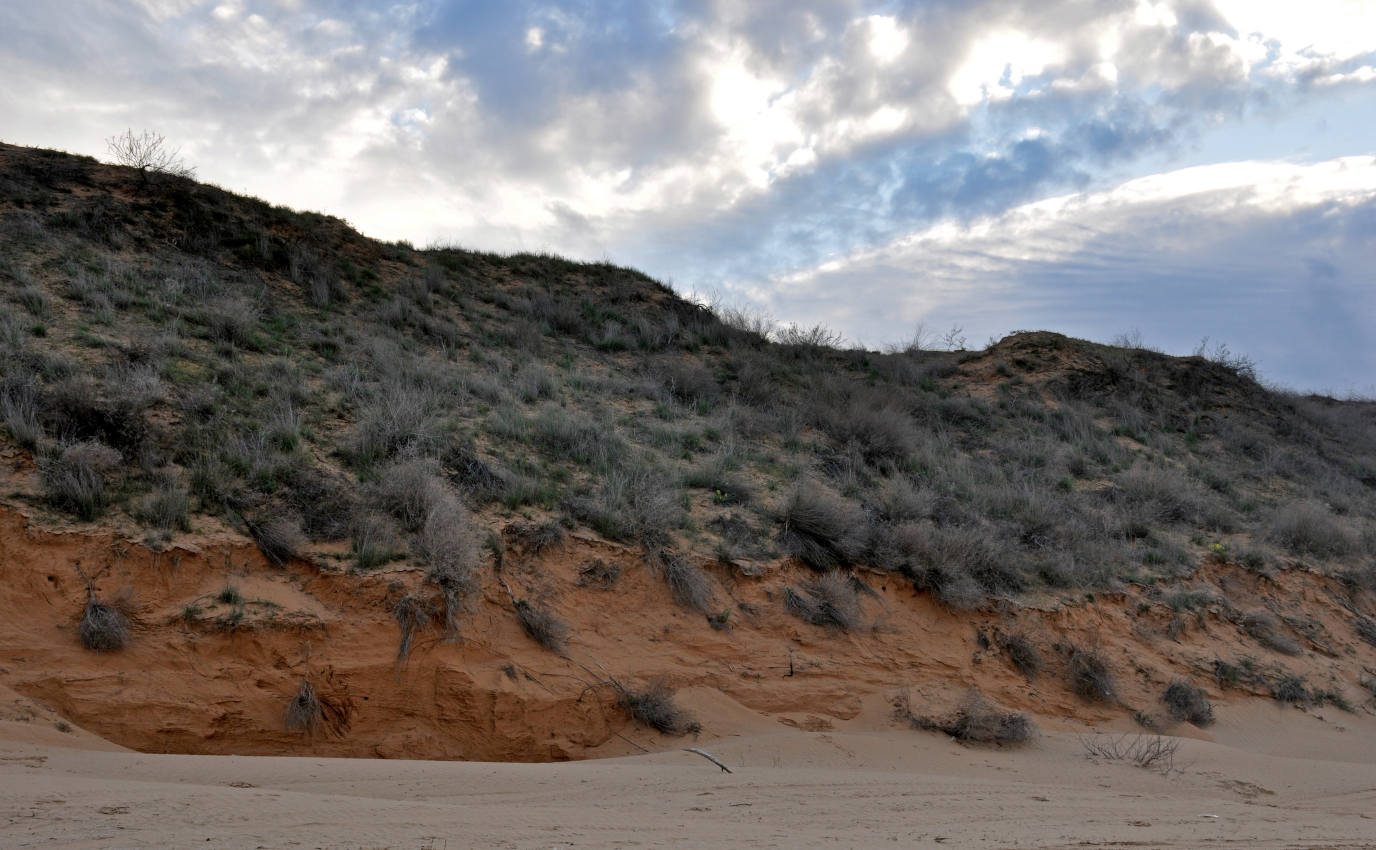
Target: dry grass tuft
(1189, 703)
(104, 627)
(827, 600)
(304, 712)
(542, 625)
(654, 706)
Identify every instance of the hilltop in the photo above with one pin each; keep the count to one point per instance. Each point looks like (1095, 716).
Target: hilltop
(270, 486)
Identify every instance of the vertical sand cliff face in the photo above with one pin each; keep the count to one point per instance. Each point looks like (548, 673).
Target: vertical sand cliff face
(211, 672)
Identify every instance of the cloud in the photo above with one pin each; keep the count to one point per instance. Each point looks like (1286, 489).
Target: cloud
(718, 144)
(1267, 256)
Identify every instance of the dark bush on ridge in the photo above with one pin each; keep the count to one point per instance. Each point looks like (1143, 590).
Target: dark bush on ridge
(1189, 703)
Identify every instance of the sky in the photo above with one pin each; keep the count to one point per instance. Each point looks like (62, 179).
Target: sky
(1172, 171)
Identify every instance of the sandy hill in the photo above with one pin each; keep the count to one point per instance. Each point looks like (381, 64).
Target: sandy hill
(270, 487)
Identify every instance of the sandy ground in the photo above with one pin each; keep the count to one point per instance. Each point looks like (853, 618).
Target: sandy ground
(1271, 777)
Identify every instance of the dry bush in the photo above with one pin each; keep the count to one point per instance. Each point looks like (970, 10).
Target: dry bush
(599, 573)
(820, 530)
(409, 489)
(304, 712)
(827, 600)
(1366, 628)
(538, 537)
(1090, 677)
(279, 539)
(1308, 528)
(75, 479)
(1266, 630)
(1292, 689)
(19, 411)
(975, 721)
(374, 541)
(542, 625)
(167, 507)
(449, 543)
(413, 613)
(688, 584)
(104, 627)
(1022, 653)
(1189, 703)
(654, 706)
(1152, 752)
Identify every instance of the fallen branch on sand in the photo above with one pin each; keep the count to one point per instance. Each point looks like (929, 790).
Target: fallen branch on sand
(713, 759)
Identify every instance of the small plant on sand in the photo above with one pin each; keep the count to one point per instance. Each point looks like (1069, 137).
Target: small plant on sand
(1152, 752)
(1022, 653)
(827, 600)
(975, 721)
(654, 706)
(1187, 702)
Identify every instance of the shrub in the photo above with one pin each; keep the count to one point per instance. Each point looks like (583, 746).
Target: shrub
(1292, 689)
(374, 541)
(449, 544)
(542, 625)
(412, 613)
(1308, 528)
(599, 573)
(1265, 628)
(538, 537)
(1022, 653)
(166, 508)
(1090, 678)
(75, 479)
(103, 627)
(148, 152)
(975, 721)
(304, 712)
(19, 410)
(820, 530)
(1187, 702)
(409, 490)
(654, 706)
(638, 504)
(1366, 628)
(688, 584)
(279, 539)
(827, 600)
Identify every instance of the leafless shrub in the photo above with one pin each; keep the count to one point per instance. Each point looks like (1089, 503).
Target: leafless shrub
(409, 490)
(688, 584)
(396, 419)
(104, 627)
(654, 706)
(632, 503)
(1266, 629)
(279, 539)
(1292, 689)
(537, 537)
(449, 545)
(304, 712)
(75, 479)
(827, 600)
(1189, 703)
(1090, 677)
(542, 625)
(148, 152)
(1152, 752)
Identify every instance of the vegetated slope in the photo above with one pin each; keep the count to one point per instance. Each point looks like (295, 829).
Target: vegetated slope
(480, 484)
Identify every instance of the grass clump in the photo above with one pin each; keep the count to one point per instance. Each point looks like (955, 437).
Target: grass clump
(820, 530)
(542, 625)
(104, 627)
(828, 600)
(413, 613)
(75, 479)
(304, 712)
(975, 721)
(1293, 690)
(1189, 703)
(280, 539)
(1022, 653)
(166, 508)
(1266, 630)
(688, 584)
(654, 706)
(599, 574)
(1090, 677)
(1308, 528)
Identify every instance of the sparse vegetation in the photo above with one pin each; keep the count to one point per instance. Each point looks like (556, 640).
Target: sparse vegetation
(1188, 703)
(654, 706)
(827, 600)
(1151, 752)
(104, 627)
(1266, 630)
(1090, 677)
(688, 584)
(975, 721)
(542, 625)
(304, 712)
(1022, 653)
